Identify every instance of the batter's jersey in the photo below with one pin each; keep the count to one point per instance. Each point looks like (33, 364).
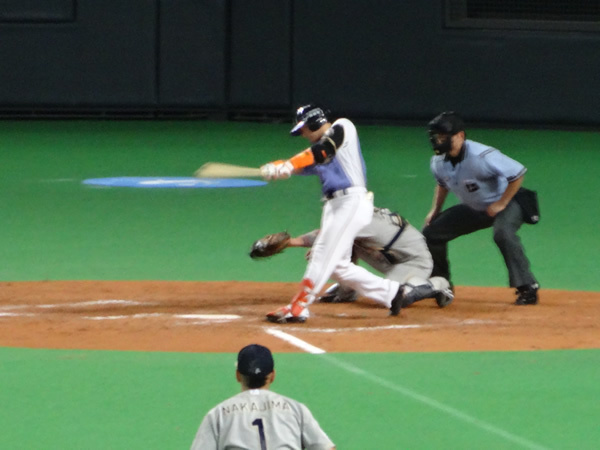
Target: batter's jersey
(480, 178)
(260, 419)
(347, 168)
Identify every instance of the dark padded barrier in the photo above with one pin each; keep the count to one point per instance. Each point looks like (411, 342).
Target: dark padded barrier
(106, 58)
(260, 54)
(192, 53)
(394, 60)
(380, 60)
(368, 61)
(37, 10)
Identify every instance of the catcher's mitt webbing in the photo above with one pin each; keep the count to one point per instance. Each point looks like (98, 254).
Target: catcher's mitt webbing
(270, 245)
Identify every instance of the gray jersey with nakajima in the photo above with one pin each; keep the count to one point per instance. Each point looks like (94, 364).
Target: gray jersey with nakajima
(480, 178)
(260, 419)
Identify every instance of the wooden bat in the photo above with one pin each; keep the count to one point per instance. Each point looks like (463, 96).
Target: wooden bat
(222, 170)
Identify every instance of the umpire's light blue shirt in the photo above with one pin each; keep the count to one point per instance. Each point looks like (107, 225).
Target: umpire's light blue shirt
(480, 178)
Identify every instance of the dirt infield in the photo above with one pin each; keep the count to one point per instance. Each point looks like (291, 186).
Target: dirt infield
(224, 316)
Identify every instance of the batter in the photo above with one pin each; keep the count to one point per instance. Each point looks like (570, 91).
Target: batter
(335, 156)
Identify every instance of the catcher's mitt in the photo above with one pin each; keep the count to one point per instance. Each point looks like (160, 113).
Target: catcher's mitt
(270, 245)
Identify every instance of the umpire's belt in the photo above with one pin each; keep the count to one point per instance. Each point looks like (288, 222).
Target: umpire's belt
(385, 251)
(342, 192)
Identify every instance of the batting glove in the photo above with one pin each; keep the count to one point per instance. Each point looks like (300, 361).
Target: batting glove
(277, 170)
(268, 171)
(284, 170)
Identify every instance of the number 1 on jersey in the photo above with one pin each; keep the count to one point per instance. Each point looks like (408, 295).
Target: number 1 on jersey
(261, 432)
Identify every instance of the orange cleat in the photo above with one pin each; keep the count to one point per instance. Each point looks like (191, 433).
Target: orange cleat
(297, 310)
(285, 315)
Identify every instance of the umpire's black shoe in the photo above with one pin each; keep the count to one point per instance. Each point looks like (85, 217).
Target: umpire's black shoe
(527, 295)
(397, 301)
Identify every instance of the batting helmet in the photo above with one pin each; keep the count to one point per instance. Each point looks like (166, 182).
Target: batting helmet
(311, 115)
(448, 124)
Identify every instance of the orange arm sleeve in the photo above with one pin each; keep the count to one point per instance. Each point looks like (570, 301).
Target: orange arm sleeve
(303, 159)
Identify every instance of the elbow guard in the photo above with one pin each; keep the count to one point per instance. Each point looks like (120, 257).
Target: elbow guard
(325, 149)
(322, 152)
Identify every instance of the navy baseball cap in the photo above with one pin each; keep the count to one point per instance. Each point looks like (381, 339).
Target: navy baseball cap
(255, 360)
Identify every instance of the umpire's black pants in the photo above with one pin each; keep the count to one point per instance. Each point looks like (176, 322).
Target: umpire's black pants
(460, 220)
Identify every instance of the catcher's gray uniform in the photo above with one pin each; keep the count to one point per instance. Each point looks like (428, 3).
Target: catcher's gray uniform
(400, 256)
(260, 419)
(393, 246)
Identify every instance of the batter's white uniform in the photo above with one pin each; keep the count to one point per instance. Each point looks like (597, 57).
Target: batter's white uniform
(346, 211)
(260, 419)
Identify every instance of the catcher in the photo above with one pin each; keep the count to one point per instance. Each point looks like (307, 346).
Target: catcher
(390, 245)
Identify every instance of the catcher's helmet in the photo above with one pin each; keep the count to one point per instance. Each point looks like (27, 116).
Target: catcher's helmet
(311, 115)
(448, 124)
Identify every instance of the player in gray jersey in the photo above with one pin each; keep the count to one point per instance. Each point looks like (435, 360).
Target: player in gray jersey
(394, 247)
(257, 418)
(488, 185)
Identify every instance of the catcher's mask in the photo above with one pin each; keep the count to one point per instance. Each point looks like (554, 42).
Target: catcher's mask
(441, 130)
(311, 115)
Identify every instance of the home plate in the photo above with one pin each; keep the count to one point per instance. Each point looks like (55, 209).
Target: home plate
(208, 316)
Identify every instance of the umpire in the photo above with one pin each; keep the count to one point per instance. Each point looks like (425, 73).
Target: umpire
(488, 186)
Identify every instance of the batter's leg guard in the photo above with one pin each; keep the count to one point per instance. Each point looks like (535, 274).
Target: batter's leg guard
(303, 298)
(297, 310)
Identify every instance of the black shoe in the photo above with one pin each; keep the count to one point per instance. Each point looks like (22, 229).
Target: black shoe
(338, 294)
(527, 295)
(397, 301)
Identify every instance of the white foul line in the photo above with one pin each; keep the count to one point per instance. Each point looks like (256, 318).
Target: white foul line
(211, 317)
(94, 303)
(354, 329)
(208, 316)
(294, 341)
(453, 412)
(393, 327)
(437, 405)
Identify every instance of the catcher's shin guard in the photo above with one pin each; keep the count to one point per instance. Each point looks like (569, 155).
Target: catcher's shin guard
(414, 293)
(444, 298)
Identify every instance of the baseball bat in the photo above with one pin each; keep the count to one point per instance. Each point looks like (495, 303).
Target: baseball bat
(222, 170)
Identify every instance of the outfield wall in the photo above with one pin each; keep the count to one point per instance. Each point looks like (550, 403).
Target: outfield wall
(380, 60)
